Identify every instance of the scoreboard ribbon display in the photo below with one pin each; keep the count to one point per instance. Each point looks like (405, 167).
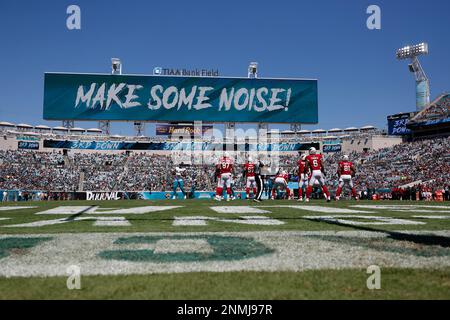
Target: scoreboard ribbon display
(30, 145)
(171, 98)
(169, 146)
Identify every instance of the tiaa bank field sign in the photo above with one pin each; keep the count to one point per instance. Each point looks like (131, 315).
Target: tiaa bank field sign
(179, 98)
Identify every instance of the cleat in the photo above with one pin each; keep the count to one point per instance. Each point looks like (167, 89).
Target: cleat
(307, 200)
(217, 198)
(174, 198)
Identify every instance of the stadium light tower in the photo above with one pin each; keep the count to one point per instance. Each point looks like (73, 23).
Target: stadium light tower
(253, 74)
(422, 81)
(116, 66)
(116, 69)
(139, 127)
(253, 70)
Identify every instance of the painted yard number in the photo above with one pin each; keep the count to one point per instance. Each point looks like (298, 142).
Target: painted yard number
(166, 249)
(352, 220)
(13, 245)
(346, 216)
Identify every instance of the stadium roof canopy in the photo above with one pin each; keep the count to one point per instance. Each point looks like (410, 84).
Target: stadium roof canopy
(319, 131)
(304, 132)
(23, 125)
(367, 128)
(351, 129)
(77, 129)
(335, 130)
(60, 128)
(287, 132)
(330, 137)
(94, 130)
(42, 127)
(6, 124)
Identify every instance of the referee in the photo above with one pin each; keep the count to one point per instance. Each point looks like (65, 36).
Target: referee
(259, 181)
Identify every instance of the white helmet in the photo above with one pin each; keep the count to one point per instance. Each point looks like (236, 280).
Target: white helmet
(284, 172)
(345, 157)
(304, 157)
(226, 154)
(250, 159)
(312, 150)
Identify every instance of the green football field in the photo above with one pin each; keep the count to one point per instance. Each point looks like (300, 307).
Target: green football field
(200, 249)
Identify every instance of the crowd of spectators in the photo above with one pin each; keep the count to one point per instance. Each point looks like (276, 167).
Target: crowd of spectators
(404, 171)
(27, 170)
(438, 109)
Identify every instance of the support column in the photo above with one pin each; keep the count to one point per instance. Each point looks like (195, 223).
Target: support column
(139, 129)
(105, 126)
(68, 124)
(296, 127)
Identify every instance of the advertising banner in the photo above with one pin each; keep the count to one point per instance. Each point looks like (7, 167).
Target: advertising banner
(94, 97)
(169, 146)
(169, 129)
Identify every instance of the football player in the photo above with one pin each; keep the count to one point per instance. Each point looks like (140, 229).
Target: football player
(178, 180)
(314, 163)
(224, 171)
(281, 184)
(249, 174)
(346, 171)
(302, 177)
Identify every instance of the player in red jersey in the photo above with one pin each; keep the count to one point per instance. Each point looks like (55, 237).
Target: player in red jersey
(249, 174)
(281, 184)
(224, 171)
(346, 172)
(314, 162)
(302, 176)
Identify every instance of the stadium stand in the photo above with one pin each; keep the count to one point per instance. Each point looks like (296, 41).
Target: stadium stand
(434, 120)
(438, 109)
(421, 166)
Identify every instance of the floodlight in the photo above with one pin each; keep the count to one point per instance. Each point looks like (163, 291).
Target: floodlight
(253, 70)
(412, 51)
(116, 66)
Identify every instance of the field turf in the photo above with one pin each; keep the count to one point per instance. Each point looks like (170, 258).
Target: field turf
(201, 249)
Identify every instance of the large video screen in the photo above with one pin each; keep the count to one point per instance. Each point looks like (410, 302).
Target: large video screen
(171, 98)
(397, 124)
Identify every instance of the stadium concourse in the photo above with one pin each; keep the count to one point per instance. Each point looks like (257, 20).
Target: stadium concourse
(409, 170)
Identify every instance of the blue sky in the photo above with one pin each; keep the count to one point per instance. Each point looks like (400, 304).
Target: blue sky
(360, 81)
